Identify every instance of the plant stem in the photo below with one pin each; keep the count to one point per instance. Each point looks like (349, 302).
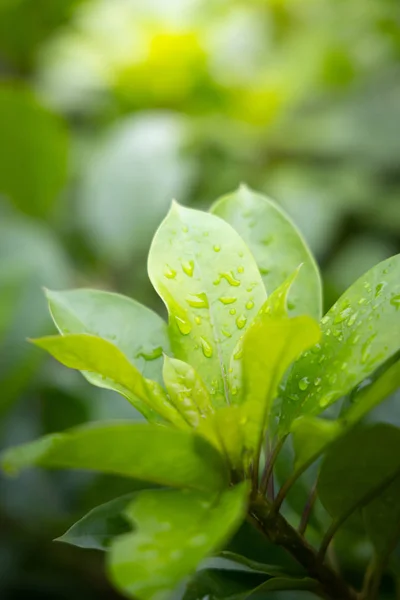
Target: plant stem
(270, 465)
(307, 509)
(275, 527)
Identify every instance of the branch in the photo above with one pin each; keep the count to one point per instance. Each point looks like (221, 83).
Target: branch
(279, 531)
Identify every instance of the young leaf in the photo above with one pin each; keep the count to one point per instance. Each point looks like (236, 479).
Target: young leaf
(382, 518)
(360, 333)
(269, 348)
(277, 246)
(147, 452)
(98, 527)
(136, 330)
(224, 430)
(311, 436)
(186, 390)
(174, 531)
(212, 288)
(96, 356)
(357, 466)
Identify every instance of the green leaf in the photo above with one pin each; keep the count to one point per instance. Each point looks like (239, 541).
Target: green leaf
(360, 333)
(252, 565)
(382, 518)
(358, 466)
(224, 430)
(174, 531)
(277, 246)
(33, 167)
(186, 390)
(212, 288)
(98, 527)
(95, 355)
(147, 452)
(372, 395)
(137, 331)
(280, 584)
(270, 346)
(311, 436)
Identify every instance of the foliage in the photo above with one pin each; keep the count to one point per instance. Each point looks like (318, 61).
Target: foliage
(242, 359)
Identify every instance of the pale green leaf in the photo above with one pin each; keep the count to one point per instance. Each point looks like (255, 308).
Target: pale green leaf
(212, 288)
(174, 531)
(147, 452)
(269, 348)
(186, 390)
(382, 518)
(136, 330)
(277, 246)
(311, 436)
(225, 431)
(99, 526)
(357, 466)
(360, 333)
(95, 355)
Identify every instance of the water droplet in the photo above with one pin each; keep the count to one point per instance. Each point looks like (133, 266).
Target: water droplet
(385, 271)
(325, 320)
(304, 383)
(332, 379)
(250, 305)
(185, 229)
(234, 391)
(362, 301)
(241, 321)
(198, 320)
(366, 350)
(379, 288)
(395, 301)
(316, 349)
(184, 326)
(217, 248)
(206, 347)
(227, 299)
(317, 381)
(352, 319)
(238, 355)
(226, 333)
(188, 267)
(198, 300)
(240, 269)
(229, 277)
(169, 273)
(268, 240)
(264, 271)
(342, 315)
(367, 286)
(152, 355)
(233, 311)
(327, 399)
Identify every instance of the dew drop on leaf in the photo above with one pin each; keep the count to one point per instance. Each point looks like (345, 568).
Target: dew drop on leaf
(317, 381)
(395, 301)
(342, 316)
(152, 355)
(379, 288)
(198, 320)
(238, 355)
(217, 248)
(198, 300)
(226, 333)
(184, 326)
(352, 319)
(169, 272)
(233, 311)
(304, 383)
(227, 299)
(241, 321)
(229, 277)
(206, 347)
(240, 269)
(188, 268)
(249, 304)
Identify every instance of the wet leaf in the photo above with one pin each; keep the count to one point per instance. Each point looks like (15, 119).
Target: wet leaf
(147, 452)
(311, 436)
(360, 333)
(277, 246)
(112, 370)
(136, 330)
(212, 288)
(382, 519)
(174, 531)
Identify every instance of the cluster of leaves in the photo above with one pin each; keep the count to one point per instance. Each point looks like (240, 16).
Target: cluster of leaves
(232, 367)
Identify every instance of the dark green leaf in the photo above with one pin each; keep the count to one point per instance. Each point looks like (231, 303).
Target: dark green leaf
(382, 518)
(174, 531)
(148, 452)
(277, 246)
(98, 527)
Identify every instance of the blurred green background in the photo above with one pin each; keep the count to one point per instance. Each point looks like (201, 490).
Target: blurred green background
(111, 108)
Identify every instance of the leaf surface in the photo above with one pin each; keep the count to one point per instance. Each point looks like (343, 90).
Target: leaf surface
(174, 531)
(277, 246)
(139, 450)
(212, 288)
(360, 333)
